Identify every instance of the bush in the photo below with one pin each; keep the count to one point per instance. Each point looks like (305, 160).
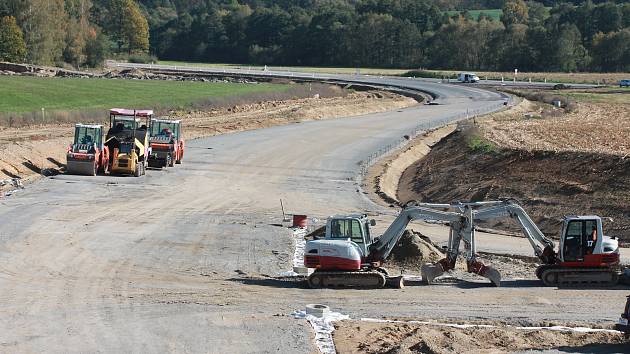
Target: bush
(142, 59)
(481, 145)
(423, 73)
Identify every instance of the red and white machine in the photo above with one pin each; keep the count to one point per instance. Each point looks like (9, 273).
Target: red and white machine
(167, 143)
(350, 256)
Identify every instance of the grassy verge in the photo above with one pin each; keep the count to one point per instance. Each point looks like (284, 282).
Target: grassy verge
(71, 100)
(331, 70)
(569, 78)
(609, 95)
(575, 78)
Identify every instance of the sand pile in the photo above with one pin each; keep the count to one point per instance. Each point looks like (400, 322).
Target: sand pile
(415, 249)
(361, 337)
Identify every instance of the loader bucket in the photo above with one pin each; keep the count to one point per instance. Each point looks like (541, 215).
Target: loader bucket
(493, 275)
(431, 271)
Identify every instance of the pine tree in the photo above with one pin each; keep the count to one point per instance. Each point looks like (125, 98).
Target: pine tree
(12, 47)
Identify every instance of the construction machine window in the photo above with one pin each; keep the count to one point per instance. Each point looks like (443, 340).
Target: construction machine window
(580, 239)
(164, 129)
(123, 124)
(87, 135)
(347, 228)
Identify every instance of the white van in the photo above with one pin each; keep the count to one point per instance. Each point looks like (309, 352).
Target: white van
(467, 77)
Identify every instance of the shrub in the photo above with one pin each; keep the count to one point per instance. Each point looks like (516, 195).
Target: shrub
(481, 145)
(142, 59)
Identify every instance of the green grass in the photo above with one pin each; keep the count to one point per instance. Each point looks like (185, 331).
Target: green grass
(608, 95)
(308, 69)
(494, 13)
(31, 94)
(481, 145)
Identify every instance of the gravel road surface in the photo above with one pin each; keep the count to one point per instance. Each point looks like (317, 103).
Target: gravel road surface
(183, 260)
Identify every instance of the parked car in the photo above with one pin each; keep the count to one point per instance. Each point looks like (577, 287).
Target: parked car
(624, 83)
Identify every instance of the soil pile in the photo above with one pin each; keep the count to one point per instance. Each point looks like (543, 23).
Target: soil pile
(364, 337)
(414, 250)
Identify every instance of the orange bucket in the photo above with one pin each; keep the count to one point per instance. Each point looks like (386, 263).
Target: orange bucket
(300, 221)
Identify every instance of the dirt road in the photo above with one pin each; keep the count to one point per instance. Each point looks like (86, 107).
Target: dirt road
(184, 260)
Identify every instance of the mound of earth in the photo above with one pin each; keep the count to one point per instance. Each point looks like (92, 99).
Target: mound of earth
(548, 184)
(399, 338)
(415, 249)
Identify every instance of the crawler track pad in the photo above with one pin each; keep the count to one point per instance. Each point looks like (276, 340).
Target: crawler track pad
(493, 275)
(431, 271)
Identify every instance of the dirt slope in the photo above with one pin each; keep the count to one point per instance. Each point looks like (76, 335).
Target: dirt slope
(548, 184)
(562, 164)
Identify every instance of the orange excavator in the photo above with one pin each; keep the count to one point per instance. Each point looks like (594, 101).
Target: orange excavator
(350, 256)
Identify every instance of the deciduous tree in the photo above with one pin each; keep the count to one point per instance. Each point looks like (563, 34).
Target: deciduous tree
(12, 46)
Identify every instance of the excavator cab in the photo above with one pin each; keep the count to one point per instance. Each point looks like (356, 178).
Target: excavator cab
(582, 243)
(355, 228)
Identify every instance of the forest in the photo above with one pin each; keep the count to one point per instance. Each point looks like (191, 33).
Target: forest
(568, 36)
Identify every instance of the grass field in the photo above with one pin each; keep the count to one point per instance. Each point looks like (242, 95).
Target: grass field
(610, 96)
(494, 13)
(31, 94)
(364, 71)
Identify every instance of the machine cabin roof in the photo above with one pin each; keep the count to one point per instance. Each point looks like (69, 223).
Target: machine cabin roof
(131, 112)
(166, 121)
(90, 126)
(349, 217)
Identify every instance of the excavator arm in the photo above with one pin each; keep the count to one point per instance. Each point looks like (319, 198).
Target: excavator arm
(543, 246)
(383, 245)
(479, 211)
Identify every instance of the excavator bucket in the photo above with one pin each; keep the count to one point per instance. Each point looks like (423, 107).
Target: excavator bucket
(431, 271)
(493, 275)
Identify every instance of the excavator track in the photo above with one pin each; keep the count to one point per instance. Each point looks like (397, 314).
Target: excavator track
(365, 280)
(575, 277)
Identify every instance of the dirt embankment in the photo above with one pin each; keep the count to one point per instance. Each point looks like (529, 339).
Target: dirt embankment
(368, 337)
(573, 164)
(26, 152)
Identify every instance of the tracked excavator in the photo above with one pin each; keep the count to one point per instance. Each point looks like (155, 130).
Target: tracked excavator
(585, 255)
(349, 256)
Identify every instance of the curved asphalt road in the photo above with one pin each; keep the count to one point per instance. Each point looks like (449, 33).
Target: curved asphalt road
(164, 263)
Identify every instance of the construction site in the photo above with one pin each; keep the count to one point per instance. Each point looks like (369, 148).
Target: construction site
(377, 215)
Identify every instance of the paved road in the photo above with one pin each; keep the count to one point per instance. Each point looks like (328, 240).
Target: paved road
(178, 261)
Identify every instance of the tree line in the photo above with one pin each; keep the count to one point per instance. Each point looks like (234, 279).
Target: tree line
(531, 36)
(76, 32)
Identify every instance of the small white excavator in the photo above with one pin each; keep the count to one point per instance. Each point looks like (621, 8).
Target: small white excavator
(349, 256)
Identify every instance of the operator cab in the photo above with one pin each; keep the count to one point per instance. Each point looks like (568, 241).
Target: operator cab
(161, 128)
(87, 138)
(582, 240)
(128, 119)
(355, 228)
